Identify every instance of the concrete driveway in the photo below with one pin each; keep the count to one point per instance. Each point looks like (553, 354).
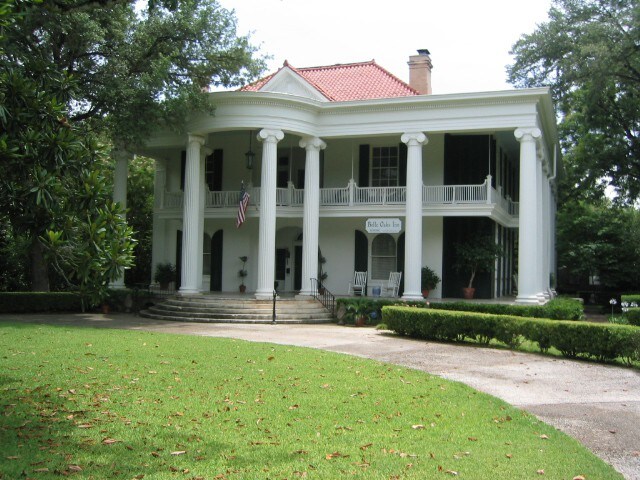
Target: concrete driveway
(599, 405)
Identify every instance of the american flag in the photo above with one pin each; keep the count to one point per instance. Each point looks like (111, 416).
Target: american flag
(242, 206)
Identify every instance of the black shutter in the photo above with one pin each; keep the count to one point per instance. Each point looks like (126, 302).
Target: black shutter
(216, 184)
(216, 262)
(363, 166)
(402, 165)
(183, 166)
(361, 252)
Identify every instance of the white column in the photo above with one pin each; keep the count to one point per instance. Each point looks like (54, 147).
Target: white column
(201, 204)
(267, 231)
(545, 234)
(121, 173)
(158, 254)
(191, 230)
(413, 216)
(528, 254)
(311, 219)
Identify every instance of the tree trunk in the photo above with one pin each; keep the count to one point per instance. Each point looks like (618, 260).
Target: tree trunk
(39, 268)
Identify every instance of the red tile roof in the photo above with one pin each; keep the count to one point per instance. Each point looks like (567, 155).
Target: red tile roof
(344, 82)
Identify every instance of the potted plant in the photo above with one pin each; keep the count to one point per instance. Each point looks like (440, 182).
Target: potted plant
(475, 256)
(242, 273)
(429, 281)
(359, 312)
(165, 274)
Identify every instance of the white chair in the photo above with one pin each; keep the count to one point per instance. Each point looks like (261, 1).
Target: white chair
(393, 284)
(359, 284)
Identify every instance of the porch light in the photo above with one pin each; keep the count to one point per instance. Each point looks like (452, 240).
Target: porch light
(250, 156)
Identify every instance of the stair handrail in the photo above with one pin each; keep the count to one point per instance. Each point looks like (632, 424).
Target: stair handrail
(324, 296)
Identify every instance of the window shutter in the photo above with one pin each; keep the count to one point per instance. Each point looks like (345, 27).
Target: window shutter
(216, 184)
(363, 166)
(402, 164)
(361, 252)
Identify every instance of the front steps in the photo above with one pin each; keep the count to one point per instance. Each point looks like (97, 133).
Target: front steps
(237, 309)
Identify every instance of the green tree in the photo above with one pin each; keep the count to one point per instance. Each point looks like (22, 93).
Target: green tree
(587, 53)
(136, 69)
(600, 239)
(140, 217)
(72, 67)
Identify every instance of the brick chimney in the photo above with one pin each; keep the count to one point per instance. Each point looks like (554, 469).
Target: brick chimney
(420, 71)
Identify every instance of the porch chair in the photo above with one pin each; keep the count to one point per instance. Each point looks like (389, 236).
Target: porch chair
(359, 284)
(393, 284)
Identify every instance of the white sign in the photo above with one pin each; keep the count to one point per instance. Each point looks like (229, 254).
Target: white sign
(383, 225)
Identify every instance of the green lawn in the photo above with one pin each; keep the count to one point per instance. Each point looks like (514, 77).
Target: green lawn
(101, 404)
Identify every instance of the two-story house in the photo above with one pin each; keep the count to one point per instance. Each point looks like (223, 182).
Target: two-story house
(376, 174)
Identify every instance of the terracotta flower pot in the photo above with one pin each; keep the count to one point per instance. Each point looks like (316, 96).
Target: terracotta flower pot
(243, 288)
(425, 293)
(361, 321)
(468, 293)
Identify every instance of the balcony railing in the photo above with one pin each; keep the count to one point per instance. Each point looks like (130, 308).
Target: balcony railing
(352, 195)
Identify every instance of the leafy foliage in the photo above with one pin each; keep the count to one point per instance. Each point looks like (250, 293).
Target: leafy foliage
(140, 217)
(134, 69)
(476, 256)
(600, 239)
(588, 54)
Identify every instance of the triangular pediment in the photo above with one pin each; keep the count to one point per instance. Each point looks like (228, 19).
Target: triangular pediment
(289, 82)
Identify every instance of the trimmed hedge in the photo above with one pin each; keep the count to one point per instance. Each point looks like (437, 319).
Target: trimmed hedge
(572, 339)
(556, 309)
(36, 302)
(635, 298)
(633, 316)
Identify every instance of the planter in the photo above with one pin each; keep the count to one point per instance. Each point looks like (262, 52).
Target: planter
(243, 288)
(105, 308)
(468, 293)
(361, 321)
(425, 293)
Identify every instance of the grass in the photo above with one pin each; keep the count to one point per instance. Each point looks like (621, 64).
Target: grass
(98, 404)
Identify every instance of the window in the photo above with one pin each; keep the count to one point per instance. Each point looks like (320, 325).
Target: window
(383, 256)
(384, 167)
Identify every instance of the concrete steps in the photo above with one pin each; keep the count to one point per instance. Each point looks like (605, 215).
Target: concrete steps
(237, 309)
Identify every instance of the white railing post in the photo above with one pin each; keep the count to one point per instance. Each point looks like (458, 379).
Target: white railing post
(488, 181)
(351, 186)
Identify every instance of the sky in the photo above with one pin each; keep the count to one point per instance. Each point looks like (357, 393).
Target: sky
(469, 40)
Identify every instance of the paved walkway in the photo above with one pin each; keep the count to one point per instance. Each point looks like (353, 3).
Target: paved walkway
(597, 404)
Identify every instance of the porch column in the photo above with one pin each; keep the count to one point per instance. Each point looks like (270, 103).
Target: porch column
(311, 220)
(528, 232)
(121, 173)
(413, 216)
(191, 230)
(267, 231)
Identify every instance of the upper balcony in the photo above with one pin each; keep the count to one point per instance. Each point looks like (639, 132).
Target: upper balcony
(351, 200)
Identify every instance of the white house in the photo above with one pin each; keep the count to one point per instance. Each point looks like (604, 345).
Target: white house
(377, 174)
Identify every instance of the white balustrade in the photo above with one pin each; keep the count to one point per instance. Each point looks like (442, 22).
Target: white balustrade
(354, 195)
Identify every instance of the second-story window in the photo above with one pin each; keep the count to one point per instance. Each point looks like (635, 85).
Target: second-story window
(384, 167)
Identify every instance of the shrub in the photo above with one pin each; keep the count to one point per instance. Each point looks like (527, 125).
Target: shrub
(633, 316)
(634, 298)
(560, 308)
(571, 338)
(35, 302)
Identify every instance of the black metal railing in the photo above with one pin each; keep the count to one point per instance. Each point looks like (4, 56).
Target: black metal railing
(324, 296)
